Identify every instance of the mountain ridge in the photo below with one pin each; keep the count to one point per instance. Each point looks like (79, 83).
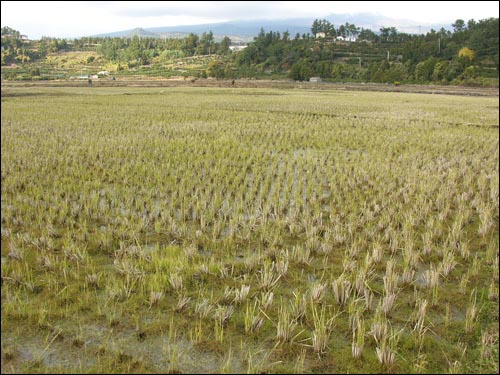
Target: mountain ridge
(245, 30)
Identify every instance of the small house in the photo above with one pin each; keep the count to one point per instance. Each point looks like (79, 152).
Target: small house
(347, 38)
(315, 80)
(237, 48)
(321, 34)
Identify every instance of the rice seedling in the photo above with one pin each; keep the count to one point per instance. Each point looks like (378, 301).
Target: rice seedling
(354, 310)
(408, 276)
(266, 299)
(377, 253)
(298, 306)
(379, 327)
(464, 250)
(175, 357)
(455, 367)
(223, 313)
(430, 279)
(421, 364)
(464, 281)
(391, 278)
(363, 277)
(282, 266)
(203, 308)
(486, 215)
(176, 282)
(253, 320)
(268, 277)
(358, 339)
(447, 264)
(285, 326)
(241, 294)
(15, 252)
(492, 253)
(447, 315)
(420, 328)
(227, 295)
(386, 348)
(299, 365)
(206, 206)
(368, 298)
(475, 266)
(387, 303)
(226, 368)
(258, 363)
(341, 288)
(495, 270)
(122, 292)
(493, 291)
(471, 314)
(318, 292)
(155, 298)
(196, 332)
(301, 255)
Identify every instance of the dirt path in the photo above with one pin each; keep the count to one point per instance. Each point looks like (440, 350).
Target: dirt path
(242, 83)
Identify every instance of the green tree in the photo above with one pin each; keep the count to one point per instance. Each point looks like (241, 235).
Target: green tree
(35, 71)
(224, 45)
(7, 31)
(205, 45)
(315, 28)
(425, 69)
(467, 55)
(301, 71)
(216, 69)
(324, 26)
(190, 44)
(440, 71)
(367, 34)
(470, 72)
(338, 71)
(458, 26)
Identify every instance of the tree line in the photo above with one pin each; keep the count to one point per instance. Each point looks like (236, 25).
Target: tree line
(465, 54)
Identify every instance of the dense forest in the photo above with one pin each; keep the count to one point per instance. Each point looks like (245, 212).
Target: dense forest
(467, 55)
(470, 51)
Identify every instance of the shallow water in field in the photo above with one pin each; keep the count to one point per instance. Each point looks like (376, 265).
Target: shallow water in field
(137, 222)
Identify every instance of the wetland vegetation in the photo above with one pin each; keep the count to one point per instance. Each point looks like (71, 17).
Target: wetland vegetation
(248, 230)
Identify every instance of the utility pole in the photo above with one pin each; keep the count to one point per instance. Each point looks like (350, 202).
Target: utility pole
(388, 55)
(439, 44)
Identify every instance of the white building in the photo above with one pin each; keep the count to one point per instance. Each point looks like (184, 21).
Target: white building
(347, 38)
(237, 48)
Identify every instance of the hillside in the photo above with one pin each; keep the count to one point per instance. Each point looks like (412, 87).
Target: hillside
(468, 55)
(246, 30)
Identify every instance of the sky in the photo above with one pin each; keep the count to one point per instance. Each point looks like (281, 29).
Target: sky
(71, 19)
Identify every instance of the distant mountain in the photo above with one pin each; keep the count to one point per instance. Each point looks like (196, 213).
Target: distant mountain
(244, 31)
(375, 22)
(129, 33)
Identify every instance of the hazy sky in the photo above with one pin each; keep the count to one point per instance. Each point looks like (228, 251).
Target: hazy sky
(79, 18)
